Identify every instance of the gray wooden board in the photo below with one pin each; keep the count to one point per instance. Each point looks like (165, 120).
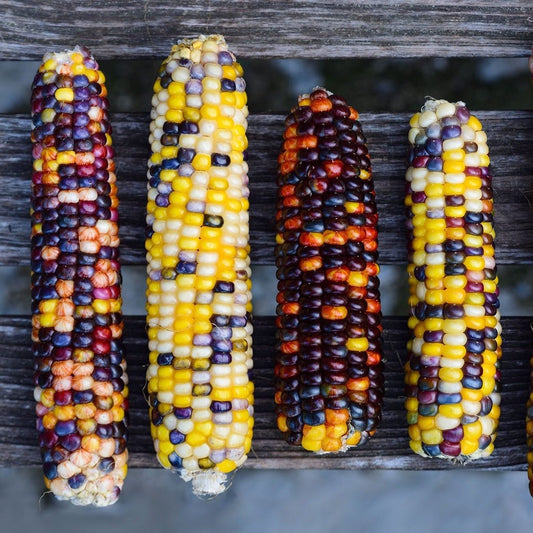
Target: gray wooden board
(387, 449)
(510, 136)
(115, 29)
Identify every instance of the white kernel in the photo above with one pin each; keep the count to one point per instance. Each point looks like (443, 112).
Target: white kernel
(445, 422)
(223, 418)
(445, 109)
(181, 351)
(67, 469)
(188, 140)
(421, 290)
(183, 389)
(474, 310)
(481, 137)
(213, 70)
(198, 194)
(454, 339)
(202, 451)
(151, 372)
(240, 427)
(220, 370)
(455, 177)
(204, 297)
(170, 421)
(187, 296)
(200, 377)
(184, 450)
(211, 84)
(235, 440)
(211, 97)
(413, 132)
(448, 362)
(474, 205)
(181, 74)
(417, 345)
(470, 407)
(436, 259)
(164, 347)
(162, 108)
(488, 425)
(164, 335)
(240, 380)
(201, 402)
(419, 173)
(472, 194)
(194, 100)
(200, 178)
(207, 127)
(448, 387)
(201, 352)
(169, 298)
(195, 55)
(221, 382)
(185, 425)
(467, 133)
(221, 431)
(215, 209)
(201, 415)
(437, 202)
(426, 118)
(204, 145)
(454, 143)
(174, 224)
(435, 177)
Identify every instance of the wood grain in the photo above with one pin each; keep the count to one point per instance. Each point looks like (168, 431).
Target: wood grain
(388, 449)
(115, 29)
(510, 136)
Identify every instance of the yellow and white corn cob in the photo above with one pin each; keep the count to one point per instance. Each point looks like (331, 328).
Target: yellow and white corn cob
(199, 286)
(452, 373)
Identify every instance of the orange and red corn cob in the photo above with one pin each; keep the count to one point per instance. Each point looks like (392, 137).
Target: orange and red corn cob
(452, 372)
(80, 380)
(329, 383)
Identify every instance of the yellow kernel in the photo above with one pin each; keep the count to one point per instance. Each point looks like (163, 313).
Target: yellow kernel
(176, 100)
(474, 123)
(162, 433)
(432, 349)
(166, 447)
(454, 296)
(357, 344)
(163, 460)
(452, 375)
(472, 431)
(474, 262)
(426, 422)
(435, 271)
(435, 297)
(227, 465)
(64, 94)
(240, 99)
(416, 446)
(451, 410)
(192, 114)
(452, 167)
(431, 436)
(201, 162)
(194, 438)
(469, 446)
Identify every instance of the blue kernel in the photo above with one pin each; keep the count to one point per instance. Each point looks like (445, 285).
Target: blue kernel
(471, 382)
(50, 470)
(176, 437)
(314, 419)
(76, 481)
(175, 460)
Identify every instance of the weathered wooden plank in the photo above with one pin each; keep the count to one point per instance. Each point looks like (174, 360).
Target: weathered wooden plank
(277, 28)
(388, 449)
(510, 139)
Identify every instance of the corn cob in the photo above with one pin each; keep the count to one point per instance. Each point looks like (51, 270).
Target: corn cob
(329, 383)
(199, 286)
(452, 372)
(80, 380)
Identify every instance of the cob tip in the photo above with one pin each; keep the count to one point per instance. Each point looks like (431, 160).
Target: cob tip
(431, 104)
(208, 483)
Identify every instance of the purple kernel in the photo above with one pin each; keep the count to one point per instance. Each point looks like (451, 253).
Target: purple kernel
(434, 146)
(419, 197)
(65, 427)
(220, 407)
(182, 412)
(201, 339)
(193, 86)
(197, 72)
(450, 448)
(454, 435)
(449, 132)
(427, 397)
(71, 442)
(176, 437)
(225, 58)
(76, 481)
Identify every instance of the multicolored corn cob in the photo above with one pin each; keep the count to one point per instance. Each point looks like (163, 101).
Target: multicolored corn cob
(329, 383)
(452, 372)
(80, 380)
(199, 286)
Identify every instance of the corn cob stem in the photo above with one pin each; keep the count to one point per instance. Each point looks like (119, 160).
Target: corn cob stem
(80, 380)
(452, 372)
(199, 287)
(329, 383)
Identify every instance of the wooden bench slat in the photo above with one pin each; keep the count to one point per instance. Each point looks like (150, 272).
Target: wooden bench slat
(388, 449)
(114, 29)
(510, 136)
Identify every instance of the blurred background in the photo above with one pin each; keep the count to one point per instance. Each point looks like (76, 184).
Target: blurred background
(296, 501)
